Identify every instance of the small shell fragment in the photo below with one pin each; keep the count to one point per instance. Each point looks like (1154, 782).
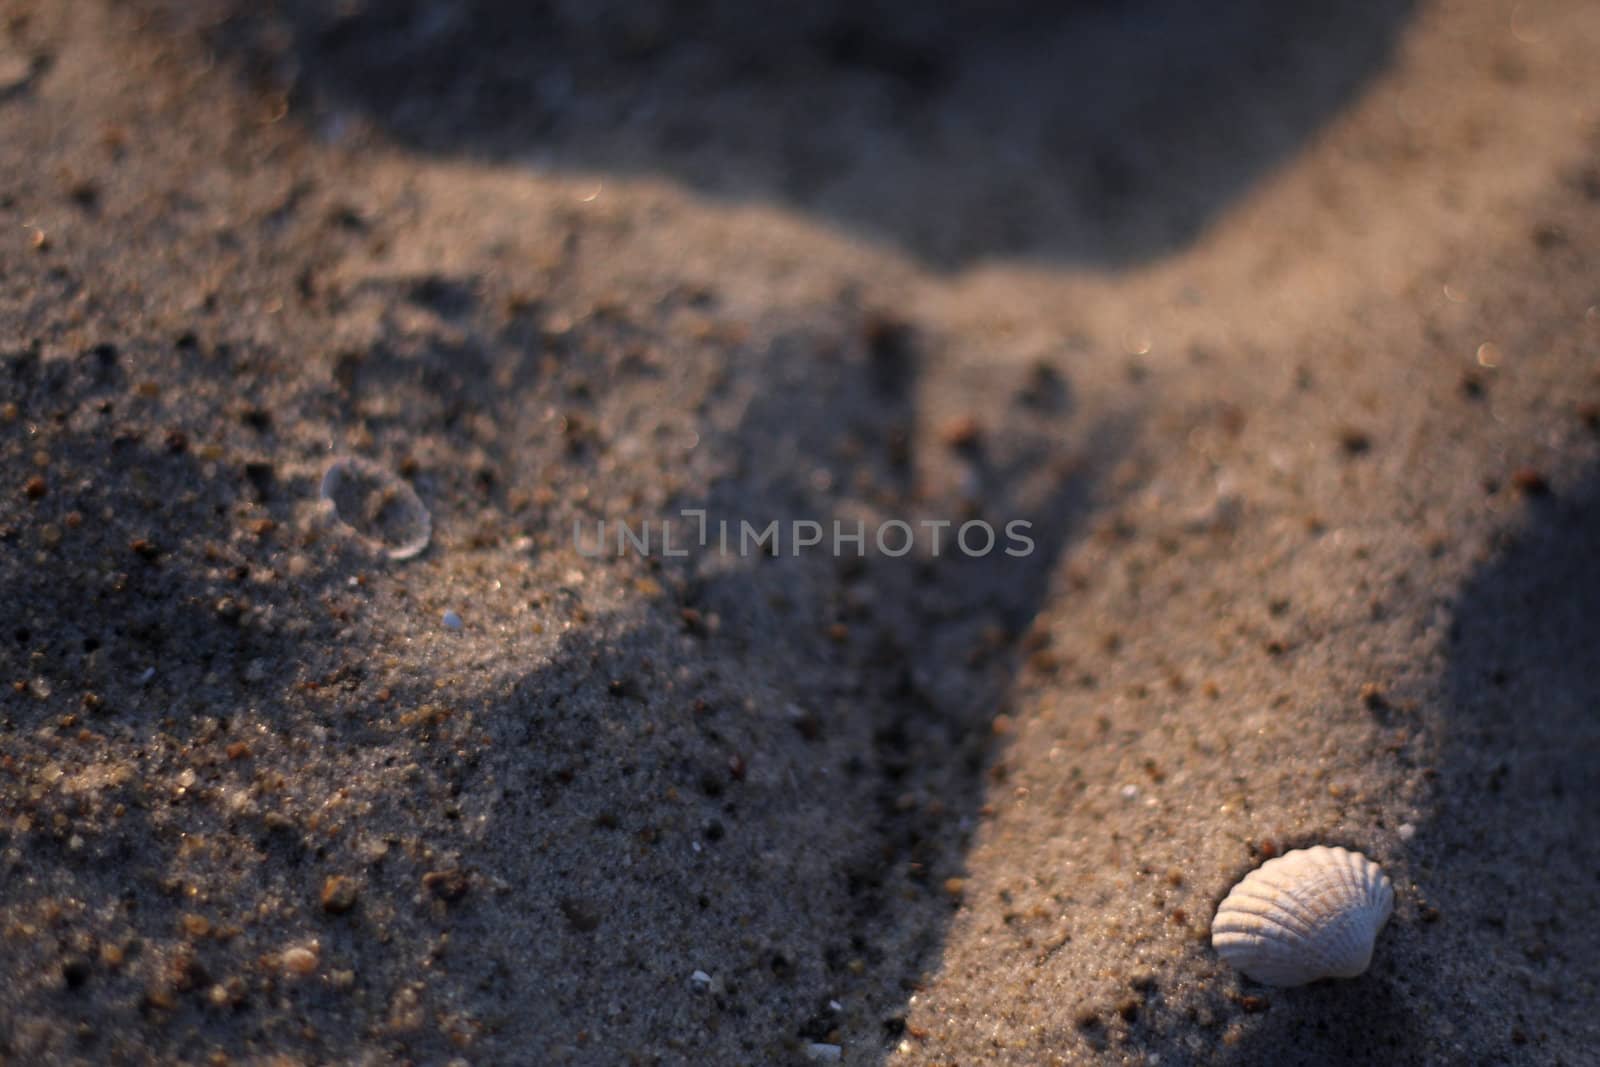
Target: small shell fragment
(378, 506)
(1309, 914)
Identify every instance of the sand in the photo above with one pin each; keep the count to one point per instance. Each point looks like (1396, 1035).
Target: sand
(1280, 331)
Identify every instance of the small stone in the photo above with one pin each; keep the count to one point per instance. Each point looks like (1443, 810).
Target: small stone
(339, 894)
(448, 885)
(16, 71)
(582, 915)
(452, 621)
(818, 1052)
(1529, 482)
(1355, 442)
(75, 971)
(35, 487)
(300, 960)
(185, 973)
(963, 433)
(232, 992)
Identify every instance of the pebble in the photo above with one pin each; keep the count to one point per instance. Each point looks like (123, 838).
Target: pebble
(452, 621)
(1355, 442)
(338, 894)
(75, 971)
(15, 71)
(817, 1052)
(584, 917)
(449, 885)
(300, 960)
(1529, 482)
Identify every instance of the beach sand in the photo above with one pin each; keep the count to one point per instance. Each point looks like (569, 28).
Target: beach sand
(1281, 332)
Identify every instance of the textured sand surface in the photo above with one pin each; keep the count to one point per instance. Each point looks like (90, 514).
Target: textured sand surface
(1283, 331)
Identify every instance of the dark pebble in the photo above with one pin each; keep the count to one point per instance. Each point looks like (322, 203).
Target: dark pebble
(75, 971)
(339, 894)
(1530, 482)
(581, 915)
(446, 885)
(1355, 442)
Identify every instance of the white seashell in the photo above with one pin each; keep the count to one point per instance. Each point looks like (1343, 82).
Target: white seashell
(1311, 913)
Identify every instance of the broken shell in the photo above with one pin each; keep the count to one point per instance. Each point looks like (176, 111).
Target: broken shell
(378, 506)
(1311, 913)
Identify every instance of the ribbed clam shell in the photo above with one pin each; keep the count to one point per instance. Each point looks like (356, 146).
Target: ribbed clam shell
(1311, 913)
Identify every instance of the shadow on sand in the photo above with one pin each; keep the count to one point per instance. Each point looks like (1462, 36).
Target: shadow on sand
(790, 747)
(793, 747)
(1093, 133)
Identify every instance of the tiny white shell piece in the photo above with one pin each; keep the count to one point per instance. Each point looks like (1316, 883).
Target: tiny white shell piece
(1309, 914)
